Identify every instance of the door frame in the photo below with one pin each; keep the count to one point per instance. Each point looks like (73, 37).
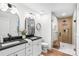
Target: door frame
(72, 32)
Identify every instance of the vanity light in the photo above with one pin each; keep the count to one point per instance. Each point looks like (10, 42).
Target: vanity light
(3, 7)
(13, 10)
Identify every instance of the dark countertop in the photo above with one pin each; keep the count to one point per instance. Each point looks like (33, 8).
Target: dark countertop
(35, 38)
(12, 45)
(22, 41)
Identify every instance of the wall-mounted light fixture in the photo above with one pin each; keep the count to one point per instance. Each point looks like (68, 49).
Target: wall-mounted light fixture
(13, 10)
(5, 6)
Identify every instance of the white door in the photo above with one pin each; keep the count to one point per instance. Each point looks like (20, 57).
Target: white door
(35, 50)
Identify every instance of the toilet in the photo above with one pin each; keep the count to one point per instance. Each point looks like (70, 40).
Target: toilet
(44, 47)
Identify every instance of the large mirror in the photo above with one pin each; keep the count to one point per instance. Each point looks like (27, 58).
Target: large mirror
(9, 23)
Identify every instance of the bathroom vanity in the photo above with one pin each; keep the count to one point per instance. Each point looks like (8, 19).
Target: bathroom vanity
(22, 47)
(12, 43)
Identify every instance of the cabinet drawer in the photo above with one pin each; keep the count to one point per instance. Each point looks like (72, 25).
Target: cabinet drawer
(18, 53)
(29, 50)
(11, 50)
(29, 54)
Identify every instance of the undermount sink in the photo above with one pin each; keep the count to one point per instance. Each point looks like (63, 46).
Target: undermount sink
(10, 43)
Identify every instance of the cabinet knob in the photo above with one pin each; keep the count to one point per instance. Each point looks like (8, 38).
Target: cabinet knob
(29, 44)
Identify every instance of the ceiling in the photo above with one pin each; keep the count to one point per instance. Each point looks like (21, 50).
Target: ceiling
(60, 9)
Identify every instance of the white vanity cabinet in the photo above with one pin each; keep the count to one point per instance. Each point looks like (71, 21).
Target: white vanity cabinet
(37, 47)
(33, 48)
(29, 50)
(16, 50)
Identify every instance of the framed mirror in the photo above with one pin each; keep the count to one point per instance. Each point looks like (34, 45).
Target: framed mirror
(38, 26)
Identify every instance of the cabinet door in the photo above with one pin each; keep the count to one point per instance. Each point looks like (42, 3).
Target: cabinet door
(35, 50)
(18, 53)
(39, 49)
(12, 50)
(29, 51)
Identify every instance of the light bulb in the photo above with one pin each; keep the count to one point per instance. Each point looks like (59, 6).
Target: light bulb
(13, 10)
(3, 7)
